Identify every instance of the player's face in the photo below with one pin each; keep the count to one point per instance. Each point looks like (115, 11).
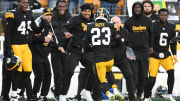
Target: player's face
(23, 5)
(86, 13)
(117, 22)
(48, 17)
(163, 16)
(147, 8)
(137, 9)
(61, 8)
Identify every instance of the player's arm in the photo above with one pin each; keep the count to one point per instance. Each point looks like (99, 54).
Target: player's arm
(8, 32)
(173, 45)
(69, 26)
(151, 37)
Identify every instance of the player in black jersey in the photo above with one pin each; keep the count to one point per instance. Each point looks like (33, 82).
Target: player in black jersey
(100, 35)
(163, 33)
(17, 32)
(141, 40)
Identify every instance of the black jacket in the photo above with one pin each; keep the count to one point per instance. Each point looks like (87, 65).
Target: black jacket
(120, 51)
(75, 27)
(140, 30)
(37, 47)
(58, 24)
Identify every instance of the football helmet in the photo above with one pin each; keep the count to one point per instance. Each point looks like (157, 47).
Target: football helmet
(13, 63)
(160, 91)
(102, 14)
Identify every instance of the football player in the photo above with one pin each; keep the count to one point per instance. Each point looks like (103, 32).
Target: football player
(100, 35)
(77, 50)
(18, 28)
(163, 33)
(121, 59)
(141, 39)
(148, 10)
(40, 51)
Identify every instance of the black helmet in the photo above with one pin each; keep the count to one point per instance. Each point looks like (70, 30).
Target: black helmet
(102, 14)
(13, 63)
(161, 90)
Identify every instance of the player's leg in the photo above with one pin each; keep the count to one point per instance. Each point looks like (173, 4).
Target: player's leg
(114, 86)
(27, 68)
(153, 71)
(58, 66)
(88, 79)
(125, 68)
(46, 80)
(169, 67)
(143, 69)
(39, 75)
(6, 82)
(72, 61)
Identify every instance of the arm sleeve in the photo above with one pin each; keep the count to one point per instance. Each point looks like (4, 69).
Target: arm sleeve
(173, 45)
(151, 35)
(8, 33)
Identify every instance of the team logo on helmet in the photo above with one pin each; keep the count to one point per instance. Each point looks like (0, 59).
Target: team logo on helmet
(13, 63)
(102, 14)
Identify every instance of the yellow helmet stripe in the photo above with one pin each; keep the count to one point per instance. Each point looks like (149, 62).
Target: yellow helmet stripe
(101, 12)
(14, 65)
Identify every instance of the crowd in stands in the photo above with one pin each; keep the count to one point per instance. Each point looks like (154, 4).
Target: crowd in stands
(114, 6)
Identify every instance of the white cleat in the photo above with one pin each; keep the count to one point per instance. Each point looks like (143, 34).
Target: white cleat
(148, 99)
(170, 98)
(87, 95)
(14, 98)
(62, 98)
(118, 95)
(111, 97)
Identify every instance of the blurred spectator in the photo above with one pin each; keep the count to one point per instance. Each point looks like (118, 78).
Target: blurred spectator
(1, 28)
(52, 3)
(34, 4)
(5, 5)
(44, 3)
(72, 5)
(110, 5)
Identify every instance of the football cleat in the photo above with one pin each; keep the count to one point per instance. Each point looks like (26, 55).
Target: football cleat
(118, 95)
(86, 94)
(62, 98)
(148, 99)
(170, 98)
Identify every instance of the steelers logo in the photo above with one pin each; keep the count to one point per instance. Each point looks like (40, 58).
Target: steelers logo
(161, 55)
(49, 10)
(122, 39)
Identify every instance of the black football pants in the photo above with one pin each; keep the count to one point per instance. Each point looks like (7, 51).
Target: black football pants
(125, 68)
(72, 60)
(58, 65)
(6, 82)
(42, 73)
(140, 68)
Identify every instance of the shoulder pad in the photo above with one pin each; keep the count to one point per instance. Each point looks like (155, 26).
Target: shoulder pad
(9, 15)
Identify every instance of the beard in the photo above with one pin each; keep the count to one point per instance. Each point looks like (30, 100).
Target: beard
(147, 13)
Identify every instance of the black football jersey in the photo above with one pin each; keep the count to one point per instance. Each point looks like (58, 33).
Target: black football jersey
(18, 26)
(100, 35)
(162, 37)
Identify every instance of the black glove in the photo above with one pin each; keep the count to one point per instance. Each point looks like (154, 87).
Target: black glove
(43, 22)
(10, 53)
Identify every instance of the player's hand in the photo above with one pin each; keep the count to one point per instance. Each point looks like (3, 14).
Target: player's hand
(130, 58)
(47, 39)
(151, 50)
(61, 49)
(68, 35)
(10, 53)
(175, 59)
